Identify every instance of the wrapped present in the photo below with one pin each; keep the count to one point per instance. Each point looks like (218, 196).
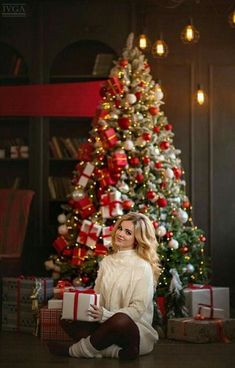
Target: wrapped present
(50, 328)
(110, 137)
(104, 178)
(117, 161)
(61, 287)
(210, 313)
(198, 331)
(76, 305)
(55, 304)
(100, 250)
(17, 303)
(114, 86)
(85, 151)
(208, 296)
(99, 114)
(79, 255)
(111, 205)
(89, 233)
(86, 174)
(85, 207)
(107, 235)
(19, 151)
(59, 244)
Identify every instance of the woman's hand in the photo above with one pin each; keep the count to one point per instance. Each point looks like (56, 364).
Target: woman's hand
(95, 312)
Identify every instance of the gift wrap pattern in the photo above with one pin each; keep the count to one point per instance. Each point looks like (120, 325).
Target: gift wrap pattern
(201, 331)
(50, 328)
(17, 314)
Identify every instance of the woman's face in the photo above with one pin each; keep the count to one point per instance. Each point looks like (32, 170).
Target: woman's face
(124, 237)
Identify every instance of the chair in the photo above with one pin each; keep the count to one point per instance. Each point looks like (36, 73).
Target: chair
(14, 215)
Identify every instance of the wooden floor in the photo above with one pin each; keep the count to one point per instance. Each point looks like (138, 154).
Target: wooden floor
(26, 351)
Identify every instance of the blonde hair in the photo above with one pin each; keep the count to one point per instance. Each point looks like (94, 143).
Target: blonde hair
(145, 240)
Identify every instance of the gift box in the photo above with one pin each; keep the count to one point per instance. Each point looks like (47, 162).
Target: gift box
(17, 313)
(86, 174)
(111, 205)
(60, 243)
(198, 331)
(50, 328)
(210, 313)
(76, 305)
(114, 86)
(100, 250)
(118, 159)
(89, 233)
(110, 137)
(19, 151)
(107, 236)
(55, 304)
(208, 296)
(79, 254)
(60, 288)
(104, 178)
(85, 207)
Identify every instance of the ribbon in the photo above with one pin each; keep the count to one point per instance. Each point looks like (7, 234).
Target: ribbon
(76, 300)
(106, 201)
(210, 305)
(85, 235)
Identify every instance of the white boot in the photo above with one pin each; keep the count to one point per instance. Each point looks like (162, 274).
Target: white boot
(84, 349)
(111, 351)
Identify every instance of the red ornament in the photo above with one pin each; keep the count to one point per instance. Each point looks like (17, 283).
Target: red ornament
(163, 185)
(156, 129)
(158, 165)
(146, 136)
(185, 204)
(150, 194)
(141, 84)
(162, 202)
(164, 145)
(140, 178)
(153, 110)
(124, 122)
(127, 204)
(85, 280)
(202, 238)
(168, 127)
(184, 249)
(169, 234)
(155, 224)
(177, 171)
(146, 65)
(146, 160)
(100, 157)
(123, 62)
(138, 95)
(134, 161)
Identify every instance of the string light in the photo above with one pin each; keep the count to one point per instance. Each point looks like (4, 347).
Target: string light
(200, 95)
(143, 42)
(160, 49)
(189, 33)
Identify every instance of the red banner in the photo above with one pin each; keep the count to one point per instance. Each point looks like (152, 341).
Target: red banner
(68, 99)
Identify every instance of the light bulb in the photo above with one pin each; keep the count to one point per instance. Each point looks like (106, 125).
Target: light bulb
(189, 33)
(200, 96)
(143, 42)
(231, 19)
(160, 49)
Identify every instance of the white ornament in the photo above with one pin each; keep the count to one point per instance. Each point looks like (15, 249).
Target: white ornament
(182, 215)
(128, 145)
(190, 268)
(131, 98)
(61, 218)
(114, 116)
(161, 231)
(159, 94)
(62, 230)
(169, 173)
(173, 244)
(139, 116)
(123, 187)
(77, 195)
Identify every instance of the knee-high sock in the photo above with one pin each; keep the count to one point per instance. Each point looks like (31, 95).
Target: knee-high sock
(111, 351)
(83, 349)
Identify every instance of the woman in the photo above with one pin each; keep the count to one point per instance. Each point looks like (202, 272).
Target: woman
(126, 281)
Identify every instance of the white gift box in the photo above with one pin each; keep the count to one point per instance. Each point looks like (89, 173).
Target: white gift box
(55, 304)
(208, 312)
(89, 233)
(111, 205)
(86, 174)
(107, 236)
(77, 304)
(199, 295)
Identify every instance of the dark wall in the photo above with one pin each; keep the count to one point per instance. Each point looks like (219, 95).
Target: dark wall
(204, 134)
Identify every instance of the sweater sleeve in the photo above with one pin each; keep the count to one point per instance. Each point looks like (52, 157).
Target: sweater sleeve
(141, 297)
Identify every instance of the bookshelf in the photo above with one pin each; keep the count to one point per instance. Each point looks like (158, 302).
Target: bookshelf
(85, 60)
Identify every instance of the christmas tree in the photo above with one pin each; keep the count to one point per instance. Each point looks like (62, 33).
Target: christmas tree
(129, 164)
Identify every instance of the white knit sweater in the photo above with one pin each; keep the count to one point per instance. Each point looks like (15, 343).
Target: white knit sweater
(125, 284)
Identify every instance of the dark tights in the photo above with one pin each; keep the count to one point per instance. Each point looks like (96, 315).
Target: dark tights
(119, 329)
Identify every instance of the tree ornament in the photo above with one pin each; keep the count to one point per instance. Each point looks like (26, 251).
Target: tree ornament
(154, 110)
(155, 224)
(161, 231)
(162, 202)
(164, 145)
(150, 195)
(77, 282)
(173, 244)
(138, 95)
(140, 178)
(127, 204)
(157, 129)
(85, 280)
(184, 249)
(77, 195)
(118, 104)
(62, 229)
(202, 238)
(169, 234)
(134, 161)
(146, 160)
(123, 62)
(169, 173)
(129, 145)
(168, 127)
(159, 94)
(182, 216)
(190, 268)
(158, 165)
(124, 122)
(61, 218)
(177, 172)
(123, 187)
(131, 98)
(146, 136)
(185, 204)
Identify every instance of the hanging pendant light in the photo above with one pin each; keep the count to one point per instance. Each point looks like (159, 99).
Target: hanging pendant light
(200, 95)
(190, 34)
(160, 48)
(231, 19)
(143, 42)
